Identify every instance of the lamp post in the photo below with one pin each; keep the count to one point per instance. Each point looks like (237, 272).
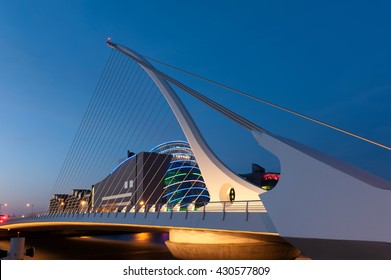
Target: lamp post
(1, 205)
(83, 206)
(32, 207)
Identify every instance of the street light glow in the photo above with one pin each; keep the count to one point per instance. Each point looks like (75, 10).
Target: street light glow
(32, 207)
(3, 204)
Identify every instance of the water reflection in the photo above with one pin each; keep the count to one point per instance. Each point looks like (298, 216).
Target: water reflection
(140, 237)
(136, 246)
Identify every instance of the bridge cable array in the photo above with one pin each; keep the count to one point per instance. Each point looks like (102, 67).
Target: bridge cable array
(270, 103)
(126, 109)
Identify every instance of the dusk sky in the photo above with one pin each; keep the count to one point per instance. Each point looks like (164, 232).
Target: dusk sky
(327, 59)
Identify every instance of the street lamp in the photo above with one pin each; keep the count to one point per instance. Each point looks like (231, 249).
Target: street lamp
(1, 205)
(32, 207)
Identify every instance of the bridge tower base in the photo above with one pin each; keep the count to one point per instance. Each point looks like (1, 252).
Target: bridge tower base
(192, 244)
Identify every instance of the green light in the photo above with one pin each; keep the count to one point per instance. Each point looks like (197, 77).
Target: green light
(176, 175)
(169, 180)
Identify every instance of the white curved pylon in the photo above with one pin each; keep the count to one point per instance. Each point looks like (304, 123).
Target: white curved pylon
(321, 198)
(219, 178)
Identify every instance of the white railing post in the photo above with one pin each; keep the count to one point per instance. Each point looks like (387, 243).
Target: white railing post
(224, 210)
(246, 211)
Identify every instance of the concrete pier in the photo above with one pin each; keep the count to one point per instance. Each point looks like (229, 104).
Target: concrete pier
(192, 244)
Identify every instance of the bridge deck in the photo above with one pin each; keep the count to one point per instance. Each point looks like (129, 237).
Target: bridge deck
(249, 217)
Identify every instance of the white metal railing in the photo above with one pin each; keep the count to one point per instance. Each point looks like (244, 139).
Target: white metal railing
(223, 207)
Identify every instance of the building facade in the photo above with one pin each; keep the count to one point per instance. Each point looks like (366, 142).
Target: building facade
(135, 182)
(77, 202)
(168, 174)
(183, 182)
(261, 178)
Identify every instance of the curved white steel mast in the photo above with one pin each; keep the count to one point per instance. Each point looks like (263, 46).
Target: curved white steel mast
(219, 178)
(317, 198)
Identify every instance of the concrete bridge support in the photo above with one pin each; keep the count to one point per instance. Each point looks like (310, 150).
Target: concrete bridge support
(193, 244)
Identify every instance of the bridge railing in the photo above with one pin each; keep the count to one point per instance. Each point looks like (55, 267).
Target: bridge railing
(235, 206)
(30, 215)
(251, 215)
(214, 206)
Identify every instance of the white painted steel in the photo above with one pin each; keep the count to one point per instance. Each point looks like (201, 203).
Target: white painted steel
(219, 178)
(321, 197)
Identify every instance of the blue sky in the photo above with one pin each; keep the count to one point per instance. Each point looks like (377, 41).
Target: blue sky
(327, 59)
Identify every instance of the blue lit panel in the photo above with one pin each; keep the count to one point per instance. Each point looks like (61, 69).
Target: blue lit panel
(183, 181)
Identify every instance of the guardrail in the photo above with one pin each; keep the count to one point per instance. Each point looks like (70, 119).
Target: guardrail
(223, 207)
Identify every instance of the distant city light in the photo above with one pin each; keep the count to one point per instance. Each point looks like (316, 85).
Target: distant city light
(3, 204)
(30, 205)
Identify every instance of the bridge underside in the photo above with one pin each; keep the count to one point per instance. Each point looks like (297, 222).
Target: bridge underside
(193, 235)
(64, 228)
(183, 243)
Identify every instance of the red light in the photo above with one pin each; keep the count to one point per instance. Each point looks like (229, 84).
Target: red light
(269, 176)
(1, 221)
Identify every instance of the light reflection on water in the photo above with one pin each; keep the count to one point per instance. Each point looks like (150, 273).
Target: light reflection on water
(140, 237)
(128, 246)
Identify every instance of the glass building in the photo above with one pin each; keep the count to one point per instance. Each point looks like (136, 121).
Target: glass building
(183, 182)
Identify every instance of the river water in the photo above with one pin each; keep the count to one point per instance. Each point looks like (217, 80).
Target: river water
(128, 246)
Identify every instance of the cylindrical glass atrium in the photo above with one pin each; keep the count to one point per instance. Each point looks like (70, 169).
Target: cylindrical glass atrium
(183, 181)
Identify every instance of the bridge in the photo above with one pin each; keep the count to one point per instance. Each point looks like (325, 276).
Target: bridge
(209, 211)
